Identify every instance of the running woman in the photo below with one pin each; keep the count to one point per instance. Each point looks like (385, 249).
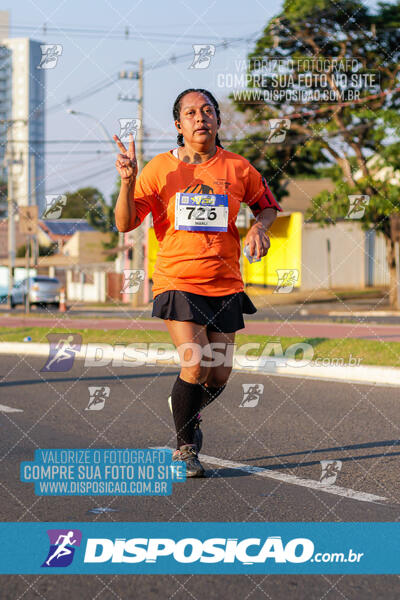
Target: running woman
(194, 194)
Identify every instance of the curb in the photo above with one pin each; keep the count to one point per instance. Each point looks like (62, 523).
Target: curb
(381, 376)
(360, 313)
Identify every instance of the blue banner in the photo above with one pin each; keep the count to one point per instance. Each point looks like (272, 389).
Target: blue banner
(213, 548)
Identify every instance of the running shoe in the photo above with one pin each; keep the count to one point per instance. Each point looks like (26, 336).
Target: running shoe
(198, 434)
(188, 454)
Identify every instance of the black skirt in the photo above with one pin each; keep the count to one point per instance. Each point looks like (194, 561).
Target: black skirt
(219, 313)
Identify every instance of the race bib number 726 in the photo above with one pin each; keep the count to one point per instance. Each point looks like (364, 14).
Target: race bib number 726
(201, 212)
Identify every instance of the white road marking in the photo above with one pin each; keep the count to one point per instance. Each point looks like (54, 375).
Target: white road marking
(4, 408)
(310, 483)
(292, 479)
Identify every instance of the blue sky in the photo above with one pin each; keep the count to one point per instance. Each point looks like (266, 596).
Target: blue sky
(158, 30)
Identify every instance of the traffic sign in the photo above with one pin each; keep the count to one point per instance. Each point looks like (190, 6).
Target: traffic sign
(28, 219)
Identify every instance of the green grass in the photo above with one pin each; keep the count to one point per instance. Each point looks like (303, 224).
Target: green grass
(370, 352)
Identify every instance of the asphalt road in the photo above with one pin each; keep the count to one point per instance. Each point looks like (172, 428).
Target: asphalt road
(295, 425)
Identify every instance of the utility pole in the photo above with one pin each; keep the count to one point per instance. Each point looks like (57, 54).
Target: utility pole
(395, 235)
(9, 161)
(33, 201)
(28, 286)
(28, 224)
(140, 115)
(138, 236)
(10, 229)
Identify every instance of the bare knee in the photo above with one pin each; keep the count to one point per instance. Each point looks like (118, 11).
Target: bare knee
(195, 373)
(218, 376)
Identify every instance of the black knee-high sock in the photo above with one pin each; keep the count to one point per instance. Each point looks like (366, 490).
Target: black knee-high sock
(209, 394)
(186, 400)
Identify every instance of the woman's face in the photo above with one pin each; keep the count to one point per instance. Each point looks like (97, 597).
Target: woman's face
(198, 121)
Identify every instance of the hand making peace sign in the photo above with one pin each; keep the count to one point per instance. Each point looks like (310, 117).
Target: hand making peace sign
(126, 163)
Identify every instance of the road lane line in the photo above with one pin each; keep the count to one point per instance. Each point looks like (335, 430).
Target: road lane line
(292, 479)
(4, 408)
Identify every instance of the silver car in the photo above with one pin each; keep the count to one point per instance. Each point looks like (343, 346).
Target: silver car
(42, 290)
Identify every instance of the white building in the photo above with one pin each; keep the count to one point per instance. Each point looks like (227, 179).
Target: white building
(25, 150)
(5, 103)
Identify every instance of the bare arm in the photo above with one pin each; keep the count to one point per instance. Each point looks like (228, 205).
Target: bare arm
(125, 212)
(256, 237)
(265, 218)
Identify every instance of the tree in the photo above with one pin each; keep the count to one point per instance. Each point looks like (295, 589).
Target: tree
(233, 122)
(43, 250)
(110, 222)
(343, 51)
(3, 195)
(3, 190)
(86, 203)
(89, 203)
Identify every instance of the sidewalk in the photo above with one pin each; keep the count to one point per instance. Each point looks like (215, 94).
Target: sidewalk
(261, 296)
(375, 375)
(371, 331)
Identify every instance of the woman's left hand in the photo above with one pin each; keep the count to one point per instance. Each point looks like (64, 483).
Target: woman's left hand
(257, 240)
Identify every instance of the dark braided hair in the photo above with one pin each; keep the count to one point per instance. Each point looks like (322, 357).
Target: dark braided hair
(176, 111)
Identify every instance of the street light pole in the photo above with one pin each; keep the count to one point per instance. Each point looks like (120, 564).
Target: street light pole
(121, 235)
(99, 123)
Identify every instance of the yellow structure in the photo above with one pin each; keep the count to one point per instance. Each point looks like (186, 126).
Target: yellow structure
(153, 250)
(285, 252)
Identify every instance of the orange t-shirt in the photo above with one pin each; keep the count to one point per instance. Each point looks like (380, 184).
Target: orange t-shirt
(195, 261)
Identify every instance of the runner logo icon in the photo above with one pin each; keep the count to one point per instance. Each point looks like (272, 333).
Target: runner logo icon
(54, 206)
(132, 280)
(278, 129)
(287, 278)
(62, 547)
(63, 348)
(127, 126)
(202, 56)
(330, 471)
(357, 205)
(98, 395)
(251, 394)
(50, 55)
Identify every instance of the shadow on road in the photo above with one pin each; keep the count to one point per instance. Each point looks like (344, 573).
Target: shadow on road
(97, 378)
(292, 465)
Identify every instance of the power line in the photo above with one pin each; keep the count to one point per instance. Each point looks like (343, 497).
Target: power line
(63, 184)
(126, 33)
(78, 141)
(156, 64)
(173, 59)
(76, 166)
(84, 178)
(51, 152)
(83, 95)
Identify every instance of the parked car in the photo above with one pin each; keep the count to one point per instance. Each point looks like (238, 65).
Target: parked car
(42, 290)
